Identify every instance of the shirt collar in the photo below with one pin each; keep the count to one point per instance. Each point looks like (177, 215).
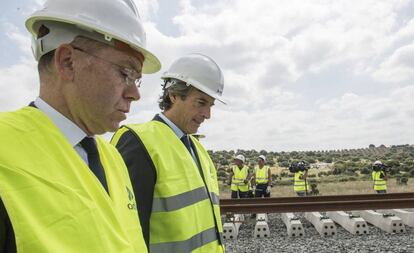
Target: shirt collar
(173, 126)
(69, 129)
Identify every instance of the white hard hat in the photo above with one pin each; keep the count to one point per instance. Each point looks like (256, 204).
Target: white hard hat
(199, 71)
(377, 162)
(240, 157)
(262, 157)
(102, 20)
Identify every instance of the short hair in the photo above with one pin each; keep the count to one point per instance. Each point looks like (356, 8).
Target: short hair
(173, 87)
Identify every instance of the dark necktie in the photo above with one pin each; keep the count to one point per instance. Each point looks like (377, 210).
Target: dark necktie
(95, 164)
(186, 142)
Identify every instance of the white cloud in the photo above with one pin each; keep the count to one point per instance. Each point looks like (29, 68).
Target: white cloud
(22, 41)
(18, 82)
(398, 67)
(19, 85)
(146, 8)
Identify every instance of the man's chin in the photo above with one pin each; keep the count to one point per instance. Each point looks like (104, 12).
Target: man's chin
(193, 130)
(113, 128)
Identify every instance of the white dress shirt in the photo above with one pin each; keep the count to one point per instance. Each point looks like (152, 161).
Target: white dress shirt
(69, 129)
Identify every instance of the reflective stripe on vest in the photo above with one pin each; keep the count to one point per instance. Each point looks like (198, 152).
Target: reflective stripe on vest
(54, 201)
(185, 205)
(239, 175)
(189, 245)
(262, 175)
(379, 183)
(182, 200)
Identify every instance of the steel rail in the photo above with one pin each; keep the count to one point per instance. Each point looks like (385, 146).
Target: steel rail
(318, 203)
(403, 195)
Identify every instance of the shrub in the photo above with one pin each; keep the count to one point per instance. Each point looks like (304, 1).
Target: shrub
(365, 171)
(403, 180)
(322, 173)
(221, 173)
(394, 171)
(284, 174)
(343, 179)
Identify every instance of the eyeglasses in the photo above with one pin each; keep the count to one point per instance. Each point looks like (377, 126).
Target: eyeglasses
(132, 78)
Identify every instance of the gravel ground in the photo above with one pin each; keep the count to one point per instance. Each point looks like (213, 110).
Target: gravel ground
(376, 241)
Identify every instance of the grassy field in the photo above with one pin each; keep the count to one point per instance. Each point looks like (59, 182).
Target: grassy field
(337, 188)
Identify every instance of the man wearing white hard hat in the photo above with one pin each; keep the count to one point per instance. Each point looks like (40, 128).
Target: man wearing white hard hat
(64, 189)
(173, 177)
(262, 178)
(239, 178)
(379, 176)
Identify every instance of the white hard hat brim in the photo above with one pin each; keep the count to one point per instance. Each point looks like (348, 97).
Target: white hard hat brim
(195, 84)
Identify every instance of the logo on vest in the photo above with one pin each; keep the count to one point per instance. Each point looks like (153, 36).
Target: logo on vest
(131, 205)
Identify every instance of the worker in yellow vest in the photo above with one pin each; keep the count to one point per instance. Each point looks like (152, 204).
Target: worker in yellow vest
(239, 178)
(379, 176)
(173, 176)
(300, 183)
(64, 189)
(262, 178)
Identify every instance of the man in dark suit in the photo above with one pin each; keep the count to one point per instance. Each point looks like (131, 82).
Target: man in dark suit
(173, 177)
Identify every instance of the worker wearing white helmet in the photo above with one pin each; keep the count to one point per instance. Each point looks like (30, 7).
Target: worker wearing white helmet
(64, 189)
(173, 177)
(239, 178)
(379, 176)
(262, 178)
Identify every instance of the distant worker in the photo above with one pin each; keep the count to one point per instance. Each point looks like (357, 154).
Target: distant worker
(239, 178)
(379, 176)
(262, 178)
(300, 185)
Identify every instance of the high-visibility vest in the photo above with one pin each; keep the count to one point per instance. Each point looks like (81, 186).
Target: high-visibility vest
(300, 185)
(262, 174)
(379, 183)
(239, 176)
(185, 211)
(54, 201)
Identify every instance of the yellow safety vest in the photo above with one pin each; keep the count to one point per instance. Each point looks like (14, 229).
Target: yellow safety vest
(262, 175)
(379, 183)
(185, 215)
(54, 201)
(239, 175)
(299, 184)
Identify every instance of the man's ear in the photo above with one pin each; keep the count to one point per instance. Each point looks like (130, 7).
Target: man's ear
(64, 62)
(173, 98)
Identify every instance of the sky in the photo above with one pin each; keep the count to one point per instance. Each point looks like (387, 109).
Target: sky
(298, 75)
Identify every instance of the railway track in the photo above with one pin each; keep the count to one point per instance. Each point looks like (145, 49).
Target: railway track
(318, 203)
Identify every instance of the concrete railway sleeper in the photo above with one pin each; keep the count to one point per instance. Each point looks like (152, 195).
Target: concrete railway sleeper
(326, 225)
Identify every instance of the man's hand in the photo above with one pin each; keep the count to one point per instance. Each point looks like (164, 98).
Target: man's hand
(268, 189)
